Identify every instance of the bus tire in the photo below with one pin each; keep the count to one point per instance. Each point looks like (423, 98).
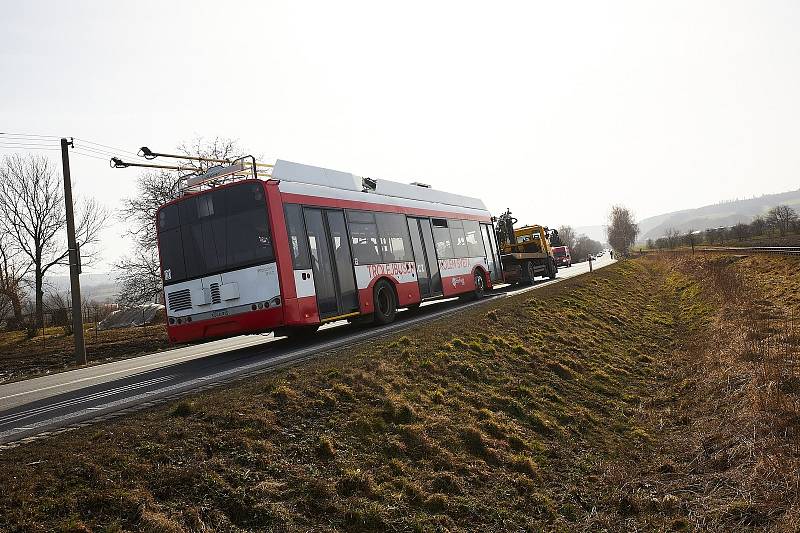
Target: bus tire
(385, 302)
(480, 286)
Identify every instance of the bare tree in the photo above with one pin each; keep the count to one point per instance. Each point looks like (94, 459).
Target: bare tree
(621, 230)
(32, 215)
(741, 231)
(757, 226)
(781, 217)
(673, 238)
(567, 236)
(139, 274)
(12, 273)
(584, 246)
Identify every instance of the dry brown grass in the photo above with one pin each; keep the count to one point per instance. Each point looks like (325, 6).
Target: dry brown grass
(22, 357)
(630, 399)
(729, 425)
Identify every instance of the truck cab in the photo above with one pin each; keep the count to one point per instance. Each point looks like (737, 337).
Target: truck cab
(562, 256)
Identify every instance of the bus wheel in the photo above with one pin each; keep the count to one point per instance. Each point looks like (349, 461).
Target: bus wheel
(480, 286)
(530, 271)
(385, 302)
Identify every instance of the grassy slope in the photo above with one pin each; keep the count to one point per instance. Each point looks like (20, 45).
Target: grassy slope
(21, 357)
(728, 423)
(524, 426)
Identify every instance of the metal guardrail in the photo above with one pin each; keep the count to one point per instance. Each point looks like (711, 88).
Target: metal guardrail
(744, 250)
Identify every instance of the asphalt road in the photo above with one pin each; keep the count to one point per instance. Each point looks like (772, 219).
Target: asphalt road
(49, 404)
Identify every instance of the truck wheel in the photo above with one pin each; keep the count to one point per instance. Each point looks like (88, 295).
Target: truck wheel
(552, 269)
(530, 271)
(385, 302)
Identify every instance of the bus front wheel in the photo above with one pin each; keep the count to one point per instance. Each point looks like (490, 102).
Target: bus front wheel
(385, 302)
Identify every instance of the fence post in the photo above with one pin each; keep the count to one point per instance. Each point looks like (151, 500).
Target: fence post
(590, 262)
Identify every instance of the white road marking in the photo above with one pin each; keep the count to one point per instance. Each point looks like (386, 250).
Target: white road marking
(195, 355)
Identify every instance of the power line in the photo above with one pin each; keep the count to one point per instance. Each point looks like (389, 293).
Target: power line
(88, 155)
(29, 147)
(29, 143)
(14, 136)
(30, 135)
(95, 150)
(106, 146)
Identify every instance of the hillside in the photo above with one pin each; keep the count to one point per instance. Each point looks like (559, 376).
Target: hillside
(712, 216)
(98, 286)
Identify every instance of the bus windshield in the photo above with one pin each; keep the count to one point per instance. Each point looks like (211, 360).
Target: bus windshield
(215, 231)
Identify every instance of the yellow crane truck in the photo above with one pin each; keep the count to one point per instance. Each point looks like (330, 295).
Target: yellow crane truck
(525, 252)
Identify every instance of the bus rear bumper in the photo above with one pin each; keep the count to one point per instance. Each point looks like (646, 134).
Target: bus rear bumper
(227, 326)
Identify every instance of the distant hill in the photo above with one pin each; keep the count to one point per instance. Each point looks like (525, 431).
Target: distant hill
(714, 216)
(100, 287)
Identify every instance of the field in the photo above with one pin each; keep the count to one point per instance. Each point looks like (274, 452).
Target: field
(636, 397)
(790, 239)
(22, 357)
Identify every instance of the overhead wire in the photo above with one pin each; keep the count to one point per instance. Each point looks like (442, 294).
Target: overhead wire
(89, 155)
(106, 146)
(6, 133)
(101, 152)
(38, 138)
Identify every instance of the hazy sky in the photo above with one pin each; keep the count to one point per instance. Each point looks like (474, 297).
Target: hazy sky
(554, 109)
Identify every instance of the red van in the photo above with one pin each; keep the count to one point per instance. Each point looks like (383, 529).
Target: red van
(561, 255)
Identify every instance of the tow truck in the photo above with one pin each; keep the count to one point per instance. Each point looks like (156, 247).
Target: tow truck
(525, 252)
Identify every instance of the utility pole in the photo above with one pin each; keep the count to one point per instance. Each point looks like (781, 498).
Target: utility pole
(74, 259)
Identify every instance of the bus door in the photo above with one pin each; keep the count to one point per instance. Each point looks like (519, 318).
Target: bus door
(331, 262)
(430, 280)
(492, 257)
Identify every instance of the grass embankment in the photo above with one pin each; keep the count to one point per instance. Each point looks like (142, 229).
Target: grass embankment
(730, 421)
(653, 394)
(521, 414)
(52, 351)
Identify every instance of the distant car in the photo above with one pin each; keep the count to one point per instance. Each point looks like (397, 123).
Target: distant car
(562, 256)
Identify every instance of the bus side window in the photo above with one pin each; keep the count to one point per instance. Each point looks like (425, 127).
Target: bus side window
(394, 238)
(298, 241)
(474, 239)
(459, 239)
(441, 235)
(363, 237)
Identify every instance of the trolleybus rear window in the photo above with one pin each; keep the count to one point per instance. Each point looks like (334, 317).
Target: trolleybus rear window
(215, 231)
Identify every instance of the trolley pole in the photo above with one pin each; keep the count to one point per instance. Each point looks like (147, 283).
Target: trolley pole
(74, 259)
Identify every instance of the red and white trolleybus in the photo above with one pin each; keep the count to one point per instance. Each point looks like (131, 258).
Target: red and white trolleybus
(302, 246)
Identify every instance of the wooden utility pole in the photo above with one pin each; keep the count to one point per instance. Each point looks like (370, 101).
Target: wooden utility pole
(74, 259)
